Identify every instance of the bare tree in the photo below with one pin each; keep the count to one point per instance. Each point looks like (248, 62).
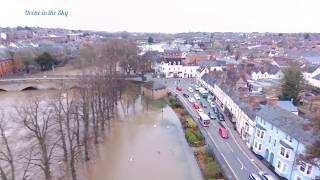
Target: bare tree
(6, 156)
(40, 125)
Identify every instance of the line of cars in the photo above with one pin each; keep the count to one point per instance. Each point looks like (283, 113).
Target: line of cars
(213, 113)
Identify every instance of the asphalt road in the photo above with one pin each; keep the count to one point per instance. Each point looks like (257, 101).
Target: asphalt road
(236, 160)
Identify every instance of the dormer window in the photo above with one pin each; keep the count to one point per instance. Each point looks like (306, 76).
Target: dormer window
(305, 168)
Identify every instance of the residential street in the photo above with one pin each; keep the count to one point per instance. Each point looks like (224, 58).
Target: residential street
(235, 158)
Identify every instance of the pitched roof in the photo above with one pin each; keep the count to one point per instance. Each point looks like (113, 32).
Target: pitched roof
(212, 63)
(287, 105)
(287, 122)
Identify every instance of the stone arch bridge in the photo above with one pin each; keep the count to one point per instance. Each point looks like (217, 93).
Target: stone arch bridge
(45, 83)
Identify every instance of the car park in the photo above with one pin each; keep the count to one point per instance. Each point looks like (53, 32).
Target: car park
(185, 95)
(190, 89)
(196, 96)
(191, 99)
(223, 133)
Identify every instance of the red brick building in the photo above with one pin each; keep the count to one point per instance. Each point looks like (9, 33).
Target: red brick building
(6, 63)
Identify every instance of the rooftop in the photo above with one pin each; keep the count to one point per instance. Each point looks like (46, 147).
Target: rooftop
(287, 122)
(287, 105)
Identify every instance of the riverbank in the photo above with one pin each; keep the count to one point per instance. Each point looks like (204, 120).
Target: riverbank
(209, 167)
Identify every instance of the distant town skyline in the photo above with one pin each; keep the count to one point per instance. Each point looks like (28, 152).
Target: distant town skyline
(168, 16)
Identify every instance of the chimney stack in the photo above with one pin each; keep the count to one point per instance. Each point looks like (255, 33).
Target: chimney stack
(272, 100)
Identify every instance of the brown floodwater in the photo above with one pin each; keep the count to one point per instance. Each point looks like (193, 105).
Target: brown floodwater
(144, 145)
(141, 144)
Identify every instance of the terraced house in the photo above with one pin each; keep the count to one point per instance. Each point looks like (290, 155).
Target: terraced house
(280, 137)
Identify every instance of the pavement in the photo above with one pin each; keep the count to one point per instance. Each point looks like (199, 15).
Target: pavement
(235, 158)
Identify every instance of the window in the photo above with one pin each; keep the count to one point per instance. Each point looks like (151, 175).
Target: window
(282, 151)
(269, 139)
(275, 143)
(305, 168)
(279, 165)
(288, 154)
(272, 127)
(260, 146)
(260, 134)
(255, 144)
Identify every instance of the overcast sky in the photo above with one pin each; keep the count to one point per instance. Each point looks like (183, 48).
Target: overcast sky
(168, 15)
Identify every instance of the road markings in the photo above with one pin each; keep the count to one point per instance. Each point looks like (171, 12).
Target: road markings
(211, 138)
(241, 148)
(225, 159)
(242, 167)
(229, 147)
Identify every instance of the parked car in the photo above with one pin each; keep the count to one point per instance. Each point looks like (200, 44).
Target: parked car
(190, 89)
(209, 100)
(261, 175)
(191, 99)
(266, 176)
(178, 88)
(196, 96)
(185, 95)
(195, 106)
(196, 87)
(215, 110)
(212, 104)
(223, 133)
(211, 115)
(204, 105)
(221, 117)
(200, 110)
(255, 176)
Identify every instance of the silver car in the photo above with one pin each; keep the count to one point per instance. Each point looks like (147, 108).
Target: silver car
(261, 175)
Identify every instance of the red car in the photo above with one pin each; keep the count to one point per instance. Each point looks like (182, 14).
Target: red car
(223, 133)
(178, 88)
(195, 106)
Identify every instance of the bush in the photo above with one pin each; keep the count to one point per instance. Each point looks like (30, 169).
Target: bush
(212, 169)
(191, 137)
(190, 123)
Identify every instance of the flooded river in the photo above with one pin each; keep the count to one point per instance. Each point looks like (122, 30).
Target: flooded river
(145, 145)
(141, 145)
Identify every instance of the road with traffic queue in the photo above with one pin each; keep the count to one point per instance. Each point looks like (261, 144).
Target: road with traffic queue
(235, 159)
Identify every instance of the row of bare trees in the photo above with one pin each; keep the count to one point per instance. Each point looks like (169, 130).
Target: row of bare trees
(60, 132)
